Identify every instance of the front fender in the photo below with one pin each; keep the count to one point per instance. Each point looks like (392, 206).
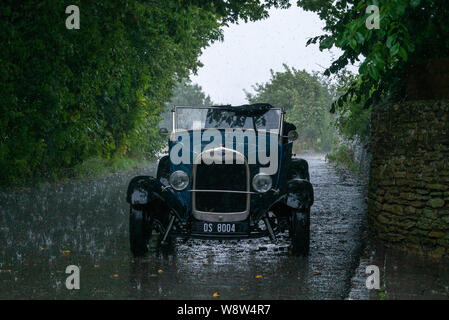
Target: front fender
(144, 190)
(300, 194)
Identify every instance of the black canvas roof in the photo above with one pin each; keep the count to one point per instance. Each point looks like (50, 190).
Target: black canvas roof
(248, 109)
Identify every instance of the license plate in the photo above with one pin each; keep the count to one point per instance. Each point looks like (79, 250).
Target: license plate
(219, 227)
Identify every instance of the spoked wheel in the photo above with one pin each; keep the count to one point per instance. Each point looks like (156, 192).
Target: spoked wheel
(300, 232)
(161, 227)
(140, 231)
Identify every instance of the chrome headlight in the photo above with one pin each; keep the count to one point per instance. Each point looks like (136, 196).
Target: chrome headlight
(262, 182)
(179, 180)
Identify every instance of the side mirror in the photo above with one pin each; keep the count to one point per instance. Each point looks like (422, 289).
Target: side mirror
(163, 132)
(292, 135)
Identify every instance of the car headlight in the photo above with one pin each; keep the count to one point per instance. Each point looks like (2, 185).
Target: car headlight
(179, 180)
(262, 182)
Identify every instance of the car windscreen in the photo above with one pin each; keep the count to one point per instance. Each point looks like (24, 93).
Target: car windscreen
(218, 118)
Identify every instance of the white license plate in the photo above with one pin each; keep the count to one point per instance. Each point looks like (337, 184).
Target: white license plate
(219, 227)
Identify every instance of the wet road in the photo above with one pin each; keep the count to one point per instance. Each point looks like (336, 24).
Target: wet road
(402, 275)
(85, 223)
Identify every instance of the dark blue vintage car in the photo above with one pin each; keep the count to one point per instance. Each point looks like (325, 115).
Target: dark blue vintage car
(229, 174)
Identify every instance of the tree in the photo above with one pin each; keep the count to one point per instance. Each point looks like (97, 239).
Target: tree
(188, 94)
(410, 33)
(352, 118)
(306, 99)
(184, 94)
(98, 91)
(230, 11)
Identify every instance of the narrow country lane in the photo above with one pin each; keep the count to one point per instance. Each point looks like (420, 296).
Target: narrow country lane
(85, 223)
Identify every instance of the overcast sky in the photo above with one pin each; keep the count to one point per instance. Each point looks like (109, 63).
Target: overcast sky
(250, 50)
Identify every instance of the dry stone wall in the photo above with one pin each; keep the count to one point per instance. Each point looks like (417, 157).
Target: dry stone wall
(409, 176)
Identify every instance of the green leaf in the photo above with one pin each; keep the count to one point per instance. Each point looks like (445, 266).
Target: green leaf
(403, 54)
(373, 72)
(353, 43)
(390, 40)
(394, 49)
(326, 43)
(360, 37)
(414, 3)
(401, 5)
(362, 68)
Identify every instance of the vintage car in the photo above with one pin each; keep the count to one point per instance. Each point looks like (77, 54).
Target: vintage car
(216, 183)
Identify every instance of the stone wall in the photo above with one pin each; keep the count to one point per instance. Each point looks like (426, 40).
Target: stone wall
(409, 176)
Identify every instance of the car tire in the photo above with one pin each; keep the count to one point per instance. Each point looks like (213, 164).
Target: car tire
(299, 168)
(300, 232)
(139, 233)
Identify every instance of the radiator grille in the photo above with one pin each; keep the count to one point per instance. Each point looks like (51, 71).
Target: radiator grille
(231, 177)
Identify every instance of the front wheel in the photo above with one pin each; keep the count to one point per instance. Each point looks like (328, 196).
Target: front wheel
(299, 168)
(300, 232)
(138, 232)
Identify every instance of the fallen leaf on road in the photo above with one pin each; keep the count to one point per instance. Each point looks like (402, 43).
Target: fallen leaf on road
(96, 265)
(66, 251)
(258, 276)
(160, 271)
(115, 275)
(216, 294)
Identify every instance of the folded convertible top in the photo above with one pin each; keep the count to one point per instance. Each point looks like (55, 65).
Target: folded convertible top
(255, 109)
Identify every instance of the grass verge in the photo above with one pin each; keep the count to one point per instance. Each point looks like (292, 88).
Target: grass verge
(343, 156)
(89, 169)
(98, 167)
